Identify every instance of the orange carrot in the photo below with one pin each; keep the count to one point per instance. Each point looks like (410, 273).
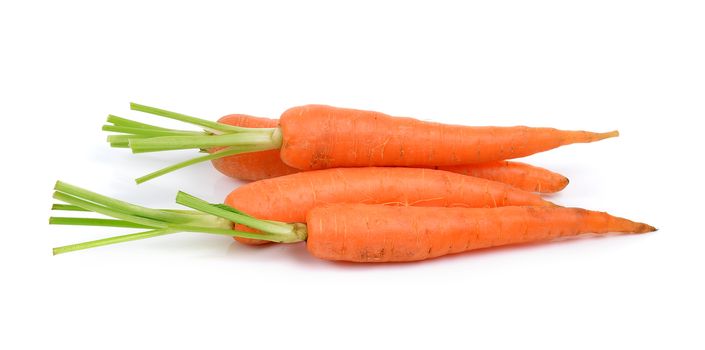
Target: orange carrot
(378, 233)
(348, 232)
(375, 233)
(317, 137)
(288, 198)
(255, 165)
(268, 164)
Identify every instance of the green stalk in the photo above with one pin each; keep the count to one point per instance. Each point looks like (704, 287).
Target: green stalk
(232, 233)
(159, 222)
(150, 132)
(261, 138)
(118, 205)
(108, 211)
(210, 125)
(57, 220)
(119, 121)
(69, 207)
(215, 155)
(112, 240)
(142, 138)
(124, 138)
(66, 207)
(190, 201)
(283, 232)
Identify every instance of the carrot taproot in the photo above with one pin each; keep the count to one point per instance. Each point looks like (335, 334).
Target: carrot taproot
(317, 136)
(268, 164)
(288, 198)
(375, 233)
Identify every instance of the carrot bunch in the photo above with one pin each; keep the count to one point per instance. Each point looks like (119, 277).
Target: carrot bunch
(354, 185)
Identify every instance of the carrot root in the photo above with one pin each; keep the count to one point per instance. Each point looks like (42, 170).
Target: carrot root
(373, 233)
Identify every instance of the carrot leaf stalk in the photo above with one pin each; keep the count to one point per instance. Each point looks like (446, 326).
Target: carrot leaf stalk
(157, 222)
(277, 231)
(141, 138)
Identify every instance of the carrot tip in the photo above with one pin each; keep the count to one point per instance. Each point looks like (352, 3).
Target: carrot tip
(644, 228)
(606, 135)
(562, 184)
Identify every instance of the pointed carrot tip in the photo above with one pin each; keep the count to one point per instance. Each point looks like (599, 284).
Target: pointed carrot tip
(644, 228)
(607, 135)
(563, 184)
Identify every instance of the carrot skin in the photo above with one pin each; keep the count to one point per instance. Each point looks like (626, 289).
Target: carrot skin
(318, 136)
(520, 175)
(375, 233)
(289, 198)
(255, 165)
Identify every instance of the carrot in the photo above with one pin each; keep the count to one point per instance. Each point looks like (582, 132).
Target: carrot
(268, 164)
(288, 198)
(350, 232)
(378, 233)
(374, 233)
(255, 165)
(317, 137)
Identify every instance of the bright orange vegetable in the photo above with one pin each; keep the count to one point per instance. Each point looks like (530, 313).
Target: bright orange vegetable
(268, 164)
(349, 232)
(288, 198)
(317, 137)
(375, 233)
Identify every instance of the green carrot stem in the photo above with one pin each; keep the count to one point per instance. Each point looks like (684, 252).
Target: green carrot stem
(233, 233)
(262, 138)
(118, 205)
(161, 232)
(57, 220)
(190, 201)
(69, 207)
(113, 240)
(66, 207)
(150, 132)
(124, 138)
(160, 222)
(210, 125)
(275, 230)
(113, 119)
(229, 151)
(141, 138)
(108, 211)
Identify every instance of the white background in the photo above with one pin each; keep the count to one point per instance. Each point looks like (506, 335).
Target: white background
(636, 66)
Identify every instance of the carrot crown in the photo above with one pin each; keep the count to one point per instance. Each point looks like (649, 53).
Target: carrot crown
(209, 218)
(141, 138)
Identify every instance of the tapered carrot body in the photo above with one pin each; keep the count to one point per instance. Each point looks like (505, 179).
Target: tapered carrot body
(375, 233)
(268, 164)
(520, 175)
(289, 198)
(318, 136)
(255, 165)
